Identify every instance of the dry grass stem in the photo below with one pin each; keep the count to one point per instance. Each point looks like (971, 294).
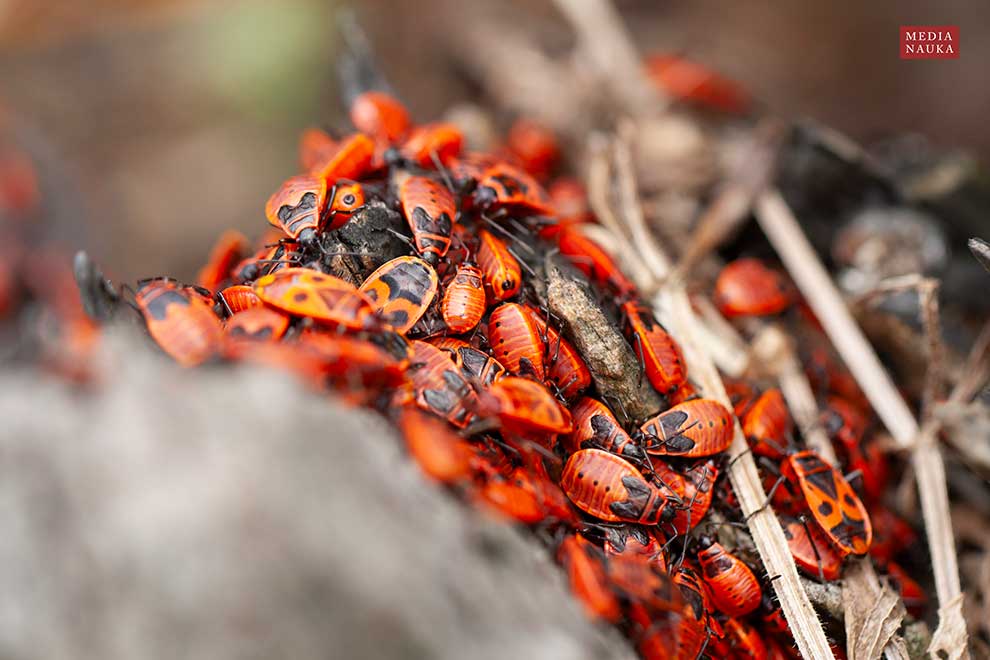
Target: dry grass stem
(807, 271)
(673, 304)
(860, 585)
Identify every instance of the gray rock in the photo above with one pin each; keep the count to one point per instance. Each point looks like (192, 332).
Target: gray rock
(228, 513)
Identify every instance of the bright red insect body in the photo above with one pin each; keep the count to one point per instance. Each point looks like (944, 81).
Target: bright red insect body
(441, 141)
(596, 426)
(440, 453)
(534, 147)
(733, 586)
(699, 488)
(746, 287)
(315, 147)
(342, 361)
(698, 625)
(239, 297)
(380, 115)
(312, 294)
(501, 271)
(401, 291)
(257, 323)
(515, 340)
(179, 321)
(297, 207)
(585, 568)
(767, 425)
(226, 254)
(832, 502)
(570, 200)
(463, 302)
(345, 200)
(430, 210)
(642, 582)
(657, 351)
(565, 368)
(526, 407)
(593, 261)
(689, 81)
(744, 640)
(608, 487)
(440, 387)
(635, 540)
(812, 551)
(350, 159)
(505, 186)
(474, 364)
(512, 496)
(699, 427)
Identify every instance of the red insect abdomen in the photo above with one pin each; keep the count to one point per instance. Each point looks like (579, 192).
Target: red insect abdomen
(463, 302)
(515, 340)
(733, 586)
(501, 271)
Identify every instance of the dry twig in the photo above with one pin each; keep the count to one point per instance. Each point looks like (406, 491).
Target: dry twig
(860, 585)
(785, 234)
(672, 302)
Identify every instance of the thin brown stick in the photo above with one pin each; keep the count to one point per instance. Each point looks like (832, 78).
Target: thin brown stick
(773, 346)
(793, 248)
(976, 369)
(811, 277)
(674, 305)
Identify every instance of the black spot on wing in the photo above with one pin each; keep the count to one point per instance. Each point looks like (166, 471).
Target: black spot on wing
(601, 428)
(678, 444)
(262, 333)
(823, 481)
(159, 304)
(397, 317)
(638, 489)
(473, 361)
(439, 400)
(811, 462)
(626, 509)
(849, 530)
(673, 421)
(694, 600)
(407, 281)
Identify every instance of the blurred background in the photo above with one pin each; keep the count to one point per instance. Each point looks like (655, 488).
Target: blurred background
(161, 122)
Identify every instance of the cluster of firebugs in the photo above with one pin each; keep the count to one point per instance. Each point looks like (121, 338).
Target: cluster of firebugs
(452, 343)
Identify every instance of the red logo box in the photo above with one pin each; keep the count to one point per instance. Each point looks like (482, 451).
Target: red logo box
(929, 42)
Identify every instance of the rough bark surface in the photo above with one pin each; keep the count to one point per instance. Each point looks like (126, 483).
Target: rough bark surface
(614, 367)
(368, 240)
